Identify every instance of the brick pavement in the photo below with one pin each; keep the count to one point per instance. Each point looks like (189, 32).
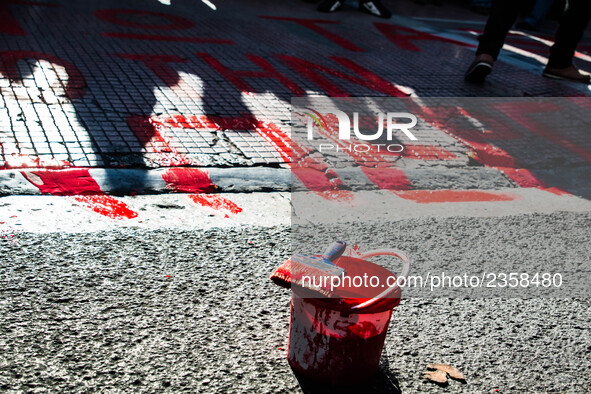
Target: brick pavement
(147, 85)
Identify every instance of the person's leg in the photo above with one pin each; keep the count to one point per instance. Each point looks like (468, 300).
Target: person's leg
(502, 16)
(570, 31)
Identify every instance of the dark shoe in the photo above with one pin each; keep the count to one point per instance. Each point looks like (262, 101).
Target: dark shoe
(479, 69)
(570, 73)
(330, 5)
(376, 8)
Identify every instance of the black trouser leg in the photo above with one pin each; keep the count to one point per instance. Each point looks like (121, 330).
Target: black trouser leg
(569, 33)
(503, 15)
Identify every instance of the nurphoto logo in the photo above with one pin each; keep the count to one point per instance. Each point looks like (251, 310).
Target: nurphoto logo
(396, 122)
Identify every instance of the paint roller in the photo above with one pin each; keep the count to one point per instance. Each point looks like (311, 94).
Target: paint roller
(301, 270)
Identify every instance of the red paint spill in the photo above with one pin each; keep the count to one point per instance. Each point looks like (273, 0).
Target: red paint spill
(79, 183)
(68, 182)
(188, 180)
(217, 202)
(434, 196)
(107, 206)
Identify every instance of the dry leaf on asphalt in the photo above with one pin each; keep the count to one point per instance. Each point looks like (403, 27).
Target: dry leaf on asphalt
(437, 376)
(453, 372)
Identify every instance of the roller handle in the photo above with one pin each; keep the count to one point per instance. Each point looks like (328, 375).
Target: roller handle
(334, 251)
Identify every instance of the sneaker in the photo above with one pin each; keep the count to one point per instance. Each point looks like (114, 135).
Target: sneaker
(376, 8)
(570, 73)
(330, 5)
(479, 69)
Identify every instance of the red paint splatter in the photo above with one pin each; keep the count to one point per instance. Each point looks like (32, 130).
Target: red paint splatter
(188, 180)
(107, 206)
(217, 202)
(79, 183)
(435, 196)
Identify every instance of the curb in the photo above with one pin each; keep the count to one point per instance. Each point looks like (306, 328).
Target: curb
(124, 181)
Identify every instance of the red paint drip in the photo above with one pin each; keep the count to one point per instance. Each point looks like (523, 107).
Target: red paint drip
(188, 180)
(107, 206)
(435, 196)
(217, 202)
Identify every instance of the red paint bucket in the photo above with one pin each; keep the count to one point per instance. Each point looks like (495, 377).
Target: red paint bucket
(340, 340)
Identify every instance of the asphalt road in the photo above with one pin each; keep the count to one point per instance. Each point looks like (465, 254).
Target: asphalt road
(164, 310)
